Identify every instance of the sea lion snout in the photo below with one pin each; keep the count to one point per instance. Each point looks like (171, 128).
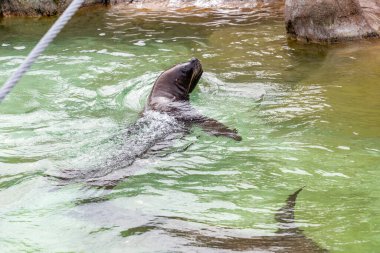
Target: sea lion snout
(197, 72)
(196, 64)
(194, 60)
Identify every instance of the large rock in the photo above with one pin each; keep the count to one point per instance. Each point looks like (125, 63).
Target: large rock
(43, 7)
(332, 20)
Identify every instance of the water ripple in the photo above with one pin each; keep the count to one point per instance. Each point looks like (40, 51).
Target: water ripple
(307, 113)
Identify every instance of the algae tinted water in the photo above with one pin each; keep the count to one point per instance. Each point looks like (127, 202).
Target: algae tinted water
(309, 115)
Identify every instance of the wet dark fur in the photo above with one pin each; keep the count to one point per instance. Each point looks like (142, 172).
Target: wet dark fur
(167, 115)
(171, 92)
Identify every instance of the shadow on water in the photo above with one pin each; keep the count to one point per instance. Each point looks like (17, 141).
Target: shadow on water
(288, 237)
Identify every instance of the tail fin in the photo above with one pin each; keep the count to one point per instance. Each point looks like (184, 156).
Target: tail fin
(285, 215)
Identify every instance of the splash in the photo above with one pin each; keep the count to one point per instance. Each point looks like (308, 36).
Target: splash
(151, 132)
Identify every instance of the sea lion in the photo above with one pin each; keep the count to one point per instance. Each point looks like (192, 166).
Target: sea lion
(287, 239)
(170, 94)
(166, 116)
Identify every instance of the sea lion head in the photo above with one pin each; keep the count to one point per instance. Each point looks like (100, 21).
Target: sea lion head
(178, 82)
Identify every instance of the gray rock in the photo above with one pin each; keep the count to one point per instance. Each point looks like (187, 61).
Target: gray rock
(28, 7)
(332, 20)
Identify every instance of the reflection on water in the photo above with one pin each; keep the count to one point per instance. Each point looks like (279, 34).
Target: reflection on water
(308, 115)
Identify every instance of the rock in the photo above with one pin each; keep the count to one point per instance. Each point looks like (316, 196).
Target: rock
(44, 7)
(28, 8)
(371, 10)
(332, 20)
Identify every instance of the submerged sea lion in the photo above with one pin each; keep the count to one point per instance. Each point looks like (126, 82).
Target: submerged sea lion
(287, 239)
(170, 94)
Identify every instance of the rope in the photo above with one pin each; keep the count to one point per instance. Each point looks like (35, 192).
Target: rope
(40, 47)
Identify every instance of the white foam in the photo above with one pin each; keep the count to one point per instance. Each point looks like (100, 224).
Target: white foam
(121, 54)
(140, 43)
(19, 48)
(344, 147)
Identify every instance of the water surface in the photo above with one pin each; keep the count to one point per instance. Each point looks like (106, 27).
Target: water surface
(308, 115)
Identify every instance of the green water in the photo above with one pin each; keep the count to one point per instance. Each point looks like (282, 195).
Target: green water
(308, 115)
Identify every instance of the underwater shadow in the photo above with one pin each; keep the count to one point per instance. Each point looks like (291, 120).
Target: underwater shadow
(289, 238)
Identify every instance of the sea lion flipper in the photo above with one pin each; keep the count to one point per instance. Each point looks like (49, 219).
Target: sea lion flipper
(214, 127)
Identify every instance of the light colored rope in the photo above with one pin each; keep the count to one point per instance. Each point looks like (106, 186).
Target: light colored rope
(39, 48)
